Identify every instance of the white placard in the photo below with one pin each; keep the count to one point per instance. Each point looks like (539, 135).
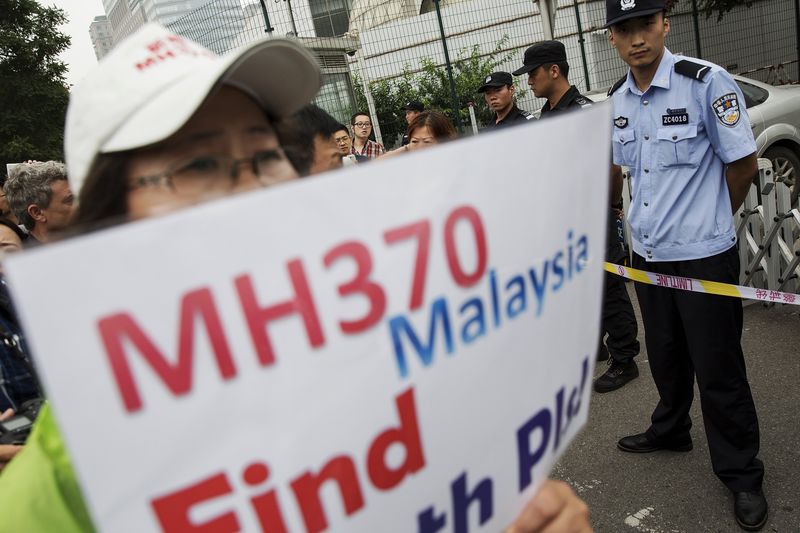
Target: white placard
(406, 345)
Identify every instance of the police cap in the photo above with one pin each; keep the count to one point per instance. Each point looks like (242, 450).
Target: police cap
(619, 10)
(496, 79)
(540, 54)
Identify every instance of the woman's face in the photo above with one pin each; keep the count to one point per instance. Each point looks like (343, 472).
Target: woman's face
(228, 146)
(421, 137)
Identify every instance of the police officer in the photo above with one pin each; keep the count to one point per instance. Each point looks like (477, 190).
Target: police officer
(547, 68)
(498, 91)
(681, 127)
(412, 110)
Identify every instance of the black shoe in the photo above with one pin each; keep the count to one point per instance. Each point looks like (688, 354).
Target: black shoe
(751, 510)
(617, 375)
(642, 443)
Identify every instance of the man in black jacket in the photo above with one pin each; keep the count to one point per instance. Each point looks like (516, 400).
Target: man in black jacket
(498, 91)
(547, 69)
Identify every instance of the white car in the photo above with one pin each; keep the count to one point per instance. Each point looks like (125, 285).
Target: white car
(775, 117)
(774, 113)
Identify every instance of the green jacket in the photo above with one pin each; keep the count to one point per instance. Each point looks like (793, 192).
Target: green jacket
(38, 488)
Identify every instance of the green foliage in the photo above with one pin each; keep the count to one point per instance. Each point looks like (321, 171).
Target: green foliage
(713, 7)
(33, 92)
(430, 85)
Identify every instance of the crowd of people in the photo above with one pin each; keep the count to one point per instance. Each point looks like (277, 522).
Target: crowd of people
(679, 125)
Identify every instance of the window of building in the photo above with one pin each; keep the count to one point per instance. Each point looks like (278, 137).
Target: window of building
(336, 96)
(331, 17)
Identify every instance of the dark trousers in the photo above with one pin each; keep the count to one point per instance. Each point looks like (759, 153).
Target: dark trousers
(690, 334)
(618, 320)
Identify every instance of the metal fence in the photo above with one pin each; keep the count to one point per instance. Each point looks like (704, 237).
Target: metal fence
(379, 53)
(768, 230)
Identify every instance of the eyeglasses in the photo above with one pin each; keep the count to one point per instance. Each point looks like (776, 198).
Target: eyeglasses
(342, 140)
(214, 173)
(362, 124)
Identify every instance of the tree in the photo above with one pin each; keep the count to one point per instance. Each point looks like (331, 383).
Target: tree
(718, 7)
(33, 91)
(431, 86)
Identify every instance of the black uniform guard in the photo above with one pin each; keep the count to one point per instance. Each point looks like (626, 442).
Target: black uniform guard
(515, 115)
(618, 320)
(411, 109)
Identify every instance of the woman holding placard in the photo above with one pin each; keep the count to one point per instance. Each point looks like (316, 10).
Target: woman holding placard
(163, 124)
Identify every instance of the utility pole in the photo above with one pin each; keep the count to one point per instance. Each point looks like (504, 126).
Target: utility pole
(267, 26)
(696, 30)
(581, 40)
(291, 17)
(547, 10)
(449, 68)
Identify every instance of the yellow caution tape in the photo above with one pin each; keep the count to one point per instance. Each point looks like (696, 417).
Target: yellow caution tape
(701, 285)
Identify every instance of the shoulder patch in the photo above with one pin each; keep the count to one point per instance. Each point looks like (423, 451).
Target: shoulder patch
(691, 69)
(617, 85)
(727, 109)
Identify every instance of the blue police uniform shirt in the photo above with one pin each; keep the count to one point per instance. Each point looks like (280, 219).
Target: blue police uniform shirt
(677, 138)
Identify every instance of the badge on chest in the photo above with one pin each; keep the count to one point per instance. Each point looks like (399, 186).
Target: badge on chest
(675, 117)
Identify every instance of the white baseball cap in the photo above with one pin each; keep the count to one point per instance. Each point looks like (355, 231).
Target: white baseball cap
(152, 83)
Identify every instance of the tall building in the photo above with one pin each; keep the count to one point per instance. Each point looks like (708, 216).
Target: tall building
(213, 24)
(101, 35)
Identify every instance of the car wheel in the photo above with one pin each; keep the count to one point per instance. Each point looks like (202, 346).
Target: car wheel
(786, 165)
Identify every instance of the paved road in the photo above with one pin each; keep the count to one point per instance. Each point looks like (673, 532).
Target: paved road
(668, 492)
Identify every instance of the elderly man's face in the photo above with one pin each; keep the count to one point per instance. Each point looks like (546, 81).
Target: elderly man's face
(59, 211)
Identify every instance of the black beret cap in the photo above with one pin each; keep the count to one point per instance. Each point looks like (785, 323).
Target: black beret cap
(541, 53)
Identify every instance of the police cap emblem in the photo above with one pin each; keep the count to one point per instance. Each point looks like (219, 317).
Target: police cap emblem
(727, 109)
(488, 79)
(626, 5)
(621, 122)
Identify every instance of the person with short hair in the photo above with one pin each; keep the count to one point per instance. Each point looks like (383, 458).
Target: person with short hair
(307, 138)
(362, 145)
(547, 68)
(546, 65)
(40, 197)
(412, 110)
(680, 126)
(498, 90)
(344, 143)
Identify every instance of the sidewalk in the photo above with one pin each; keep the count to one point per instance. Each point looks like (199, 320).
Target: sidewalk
(666, 492)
